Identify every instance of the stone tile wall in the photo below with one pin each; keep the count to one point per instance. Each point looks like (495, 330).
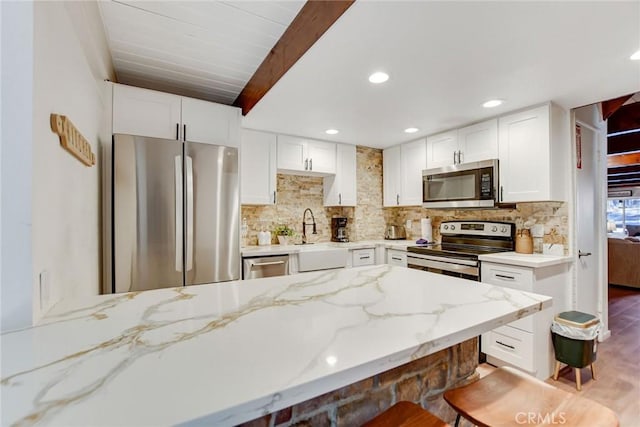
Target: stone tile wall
(552, 215)
(368, 219)
(422, 381)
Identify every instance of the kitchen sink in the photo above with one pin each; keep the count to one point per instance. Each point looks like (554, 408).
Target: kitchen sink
(321, 257)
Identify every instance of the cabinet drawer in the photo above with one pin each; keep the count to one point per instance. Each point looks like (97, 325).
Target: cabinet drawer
(507, 276)
(396, 257)
(364, 257)
(510, 345)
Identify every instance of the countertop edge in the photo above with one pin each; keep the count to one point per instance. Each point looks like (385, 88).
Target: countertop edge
(526, 260)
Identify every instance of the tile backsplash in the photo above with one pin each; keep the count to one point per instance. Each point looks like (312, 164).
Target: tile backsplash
(367, 220)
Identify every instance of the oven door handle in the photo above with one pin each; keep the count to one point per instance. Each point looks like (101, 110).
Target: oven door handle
(446, 266)
(447, 260)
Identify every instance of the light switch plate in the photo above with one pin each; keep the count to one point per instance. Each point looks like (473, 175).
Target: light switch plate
(408, 225)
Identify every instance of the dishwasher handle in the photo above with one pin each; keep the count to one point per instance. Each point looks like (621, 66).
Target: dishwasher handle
(261, 264)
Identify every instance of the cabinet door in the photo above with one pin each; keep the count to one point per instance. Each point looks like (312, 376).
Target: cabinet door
(523, 148)
(258, 168)
(340, 189)
(478, 142)
(391, 176)
(413, 159)
(322, 157)
(209, 123)
(145, 112)
(441, 149)
(291, 153)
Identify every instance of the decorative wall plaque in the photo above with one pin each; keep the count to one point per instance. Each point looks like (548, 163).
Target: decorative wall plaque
(72, 140)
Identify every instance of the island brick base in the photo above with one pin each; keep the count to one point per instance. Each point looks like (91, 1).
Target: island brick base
(422, 381)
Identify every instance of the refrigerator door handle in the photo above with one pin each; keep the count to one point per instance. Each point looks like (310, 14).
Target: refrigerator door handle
(178, 212)
(189, 241)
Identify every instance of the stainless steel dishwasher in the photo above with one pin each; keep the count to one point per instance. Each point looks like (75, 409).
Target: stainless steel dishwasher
(265, 266)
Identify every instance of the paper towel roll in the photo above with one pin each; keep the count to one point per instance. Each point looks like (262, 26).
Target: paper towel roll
(427, 232)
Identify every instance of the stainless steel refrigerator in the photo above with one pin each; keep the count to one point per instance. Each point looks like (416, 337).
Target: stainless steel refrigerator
(175, 214)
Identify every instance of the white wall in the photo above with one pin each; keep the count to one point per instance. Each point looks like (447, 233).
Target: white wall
(69, 73)
(16, 67)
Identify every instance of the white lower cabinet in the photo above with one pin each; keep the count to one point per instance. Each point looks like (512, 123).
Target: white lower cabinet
(397, 257)
(363, 257)
(526, 343)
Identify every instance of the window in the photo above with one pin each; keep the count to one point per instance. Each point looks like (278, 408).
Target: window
(625, 214)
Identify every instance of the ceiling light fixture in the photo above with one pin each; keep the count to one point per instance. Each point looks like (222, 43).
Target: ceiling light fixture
(378, 77)
(331, 131)
(492, 103)
(635, 56)
(411, 130)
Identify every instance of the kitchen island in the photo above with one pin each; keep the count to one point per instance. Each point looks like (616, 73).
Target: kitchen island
(223, 354)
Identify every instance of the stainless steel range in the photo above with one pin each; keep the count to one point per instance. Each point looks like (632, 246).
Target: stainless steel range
(461, 244)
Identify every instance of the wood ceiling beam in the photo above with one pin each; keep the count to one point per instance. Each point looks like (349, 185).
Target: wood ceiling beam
(623, 159)
(624, 143)
(623, 169)
(609, 107)
(625, 118)
(313, 20)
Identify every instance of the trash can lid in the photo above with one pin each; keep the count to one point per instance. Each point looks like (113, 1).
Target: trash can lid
(577, 319)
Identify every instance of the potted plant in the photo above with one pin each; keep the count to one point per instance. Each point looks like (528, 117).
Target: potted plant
(283, 233)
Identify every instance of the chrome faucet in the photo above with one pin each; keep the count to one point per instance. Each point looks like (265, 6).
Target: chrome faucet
(304, 225)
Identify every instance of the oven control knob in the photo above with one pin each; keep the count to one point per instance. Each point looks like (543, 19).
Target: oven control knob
(503, 229)
(453, 227)
(446, 227)
(494, 228)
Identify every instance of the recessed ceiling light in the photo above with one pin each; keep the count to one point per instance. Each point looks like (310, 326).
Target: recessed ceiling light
(411, 130)
(635, 56)
(331, 131)
(378, 77)
(492, 103)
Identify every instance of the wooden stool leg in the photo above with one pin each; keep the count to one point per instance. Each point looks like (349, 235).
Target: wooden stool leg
(457, 421)
(556, 371)
(593, 371)
(578, 379)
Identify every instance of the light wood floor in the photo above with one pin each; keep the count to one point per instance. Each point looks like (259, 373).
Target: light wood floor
(617, 384)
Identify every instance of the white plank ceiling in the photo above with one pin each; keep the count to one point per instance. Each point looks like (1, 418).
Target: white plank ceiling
(204, 49)
(444, 59)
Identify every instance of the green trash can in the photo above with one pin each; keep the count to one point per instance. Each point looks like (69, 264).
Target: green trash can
(574, 334)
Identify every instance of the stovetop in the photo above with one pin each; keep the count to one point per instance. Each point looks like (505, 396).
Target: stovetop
(469, 239)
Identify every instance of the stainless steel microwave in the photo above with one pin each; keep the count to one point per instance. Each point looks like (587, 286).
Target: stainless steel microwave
(467, 185)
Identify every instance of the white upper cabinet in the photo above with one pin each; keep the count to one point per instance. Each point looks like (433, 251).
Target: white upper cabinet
(341, 189)
(478, 142)
(210, 123)
(391, 176)
(533, 155)
(442, 149)
(258, 173)
(402, 173)
(306, 156)
(145, 112)
(469, 144)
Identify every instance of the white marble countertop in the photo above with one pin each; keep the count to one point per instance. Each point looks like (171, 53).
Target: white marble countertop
(225, 353)
(249, 251)
(526, 260)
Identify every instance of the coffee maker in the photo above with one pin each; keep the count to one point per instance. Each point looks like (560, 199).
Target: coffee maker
(339, 230)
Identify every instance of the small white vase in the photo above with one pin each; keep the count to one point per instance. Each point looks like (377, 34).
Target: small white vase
(283, 240)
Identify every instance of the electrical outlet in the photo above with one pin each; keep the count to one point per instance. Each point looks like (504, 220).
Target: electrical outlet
(408, 225)
(45, 289)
